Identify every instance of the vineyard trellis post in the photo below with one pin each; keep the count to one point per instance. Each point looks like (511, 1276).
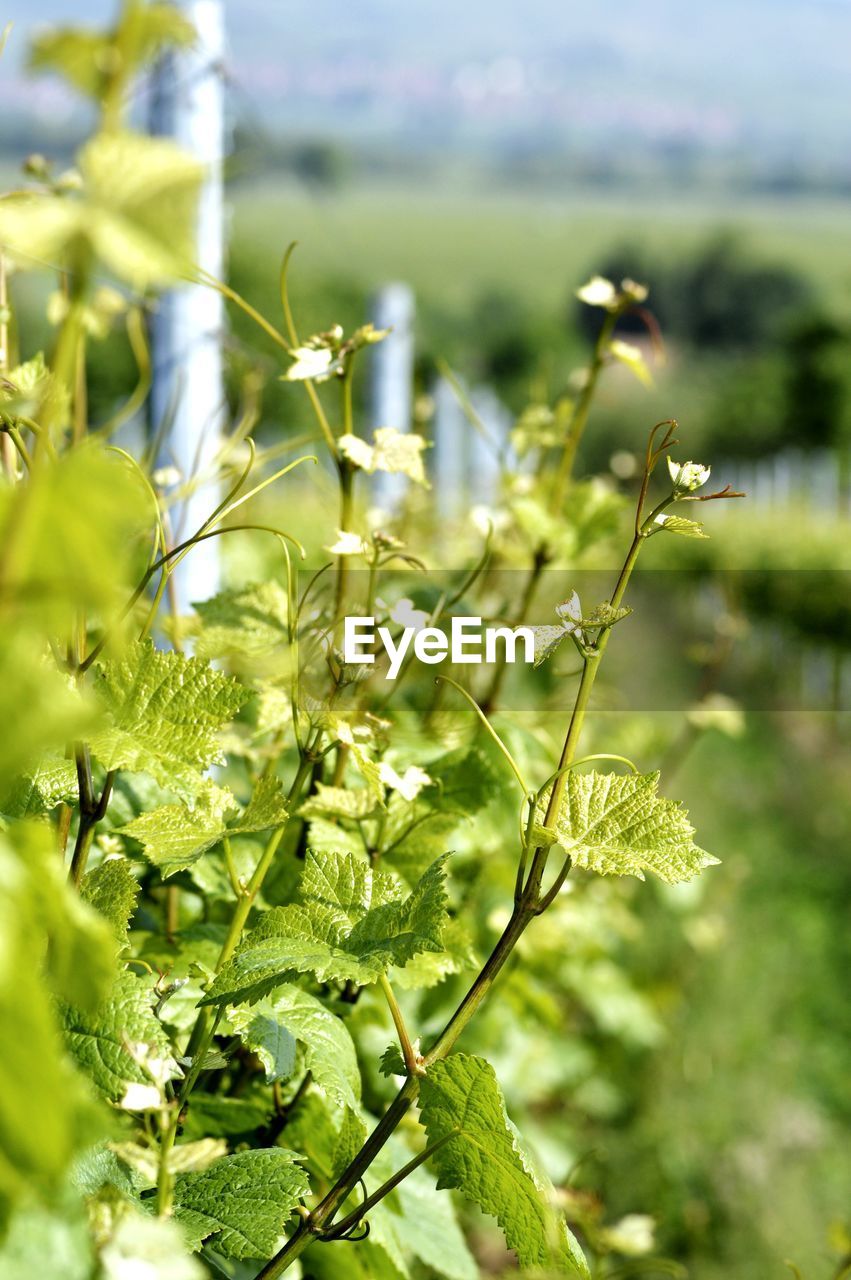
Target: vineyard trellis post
(187, 394)
(392, 383)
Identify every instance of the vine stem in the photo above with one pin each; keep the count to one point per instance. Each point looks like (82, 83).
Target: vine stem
(92, 810)
(590, 667)
(573, 435)
(409, 1054)
(342, 1228)
(7, 456)
(579, 417)
(527, 906)
(346, 480)
(204, 1029)
(312, 1227)
(534, 577)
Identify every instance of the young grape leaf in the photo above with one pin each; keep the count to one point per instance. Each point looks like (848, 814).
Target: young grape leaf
(38, 1142)
(352, 925)
(399, 452)
(616, 824)
(349, 1141)
(249, 622)
(633, 359)
(85, 57)
(431, 967)
(165, 712)
(244, 1200)
(548, 638)
(354, 803)
(462, 1104)
(391, 1062)
(272, 1027)
(51, 782)
(32, 390)
(112, 890)
(266, 808)
(429, 1228)
(234, 1118)
(135, 212)
(100, 1042)
(355, 738)
(463, 781)
(679, 524)
(175, 836)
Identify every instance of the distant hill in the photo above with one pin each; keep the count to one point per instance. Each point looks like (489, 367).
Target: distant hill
(769, 74)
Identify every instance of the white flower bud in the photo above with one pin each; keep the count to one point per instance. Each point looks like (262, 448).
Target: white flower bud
(687, 476)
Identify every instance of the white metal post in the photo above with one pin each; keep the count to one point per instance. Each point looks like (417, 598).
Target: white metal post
(392, 383)
(447, 460)
(486, 449)
(187, 393)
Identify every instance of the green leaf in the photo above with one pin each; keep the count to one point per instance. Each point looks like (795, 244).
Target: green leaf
(175, 836)
(234, 1118)
(100, 1042)
(312, 1130)
(463, 781)
(165, 712)
(617, 825)
(41, 919)
(249, 622)
(355, 738)
(78, 949)
(266, 808)
(272, 1027)
(263, 1032)
(32, 391)
(398, 452)
(429, 1228)
(243, 1200)
(53, 1241)
(369, 1261)
(548, 638)
(461, 1103)
(353, 924)
(51, 782)
(633, 359)
(391, 1062)
(136, 212)
(87, 58)
(354, 803)
(39, 710)
(431, 967)
(112, 890)
(65, 555)
(99, 1169)
(679, 524)
(350, 1139)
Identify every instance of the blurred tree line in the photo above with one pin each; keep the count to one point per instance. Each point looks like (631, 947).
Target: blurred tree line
(754, 362)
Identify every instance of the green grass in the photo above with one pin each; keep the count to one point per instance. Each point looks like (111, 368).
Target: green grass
(450, 246)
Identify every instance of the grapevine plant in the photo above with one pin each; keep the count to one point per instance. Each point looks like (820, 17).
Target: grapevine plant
(243, 946)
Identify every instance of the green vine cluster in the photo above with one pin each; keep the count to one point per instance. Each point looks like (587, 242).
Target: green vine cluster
(228, 888)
